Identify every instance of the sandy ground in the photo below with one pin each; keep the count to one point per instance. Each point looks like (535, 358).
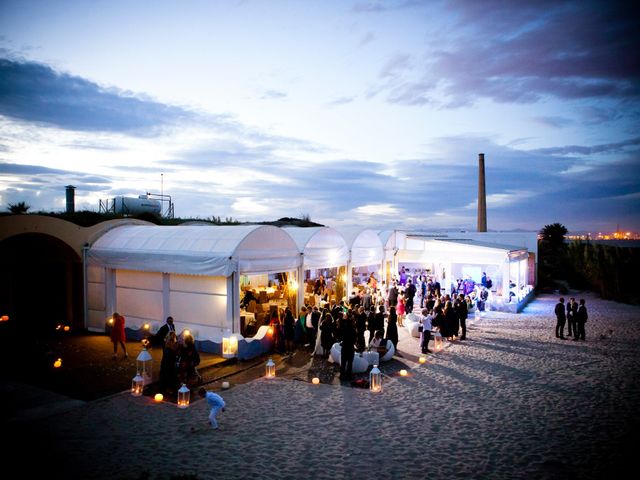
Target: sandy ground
(510, 402)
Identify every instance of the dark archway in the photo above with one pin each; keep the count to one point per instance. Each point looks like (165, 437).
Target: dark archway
(41, 281)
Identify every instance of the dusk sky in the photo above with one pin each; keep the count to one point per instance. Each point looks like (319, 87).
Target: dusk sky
(354, 113)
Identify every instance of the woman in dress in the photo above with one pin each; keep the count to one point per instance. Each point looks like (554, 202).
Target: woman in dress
(118, 335)
(288, 330)
(392, 327)
(326, 334)
(168, 369)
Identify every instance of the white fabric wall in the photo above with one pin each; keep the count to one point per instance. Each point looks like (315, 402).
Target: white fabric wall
(199, 304)
(96, 299)
(139, 298)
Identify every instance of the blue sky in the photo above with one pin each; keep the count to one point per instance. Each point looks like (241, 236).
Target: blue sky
(369, 113)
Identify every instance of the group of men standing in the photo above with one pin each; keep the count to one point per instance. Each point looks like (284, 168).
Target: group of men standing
(575, 315)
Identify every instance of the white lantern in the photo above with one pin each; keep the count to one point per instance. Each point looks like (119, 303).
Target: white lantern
(229, 347)
(375, 380)
(438, 342)
(184, 395)
(270, 369)
(137, 384)
(144, 365)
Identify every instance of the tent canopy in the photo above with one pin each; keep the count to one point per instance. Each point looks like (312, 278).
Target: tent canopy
(461, 250)
(196, 250)
(321, 247)
(365, 246)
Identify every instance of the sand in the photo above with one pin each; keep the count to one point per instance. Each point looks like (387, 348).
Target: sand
(510, 402)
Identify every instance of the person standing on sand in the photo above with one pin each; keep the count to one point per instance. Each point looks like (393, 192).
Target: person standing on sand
(118, 335)
(216, 403)
(561, 318)
(572, 308)
(581, 318)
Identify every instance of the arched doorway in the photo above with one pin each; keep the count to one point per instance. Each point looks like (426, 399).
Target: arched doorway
(41, 282)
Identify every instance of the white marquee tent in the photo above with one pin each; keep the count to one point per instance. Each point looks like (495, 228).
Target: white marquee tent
(189, 272)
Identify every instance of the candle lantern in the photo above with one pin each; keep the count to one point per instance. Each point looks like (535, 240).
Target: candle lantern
(375, 379)
(137, 385)
(403, 373)
(315, 381)
(158, 397)
(270, 369)
(229, 347)
(144, 365)
(422, 359)
(438, 342)
(184, 395)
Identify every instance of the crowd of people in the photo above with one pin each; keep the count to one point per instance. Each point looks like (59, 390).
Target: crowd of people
(574, 316)
(180, 357)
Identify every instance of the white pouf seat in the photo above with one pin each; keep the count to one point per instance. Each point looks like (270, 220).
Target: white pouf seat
(360, 364)
(411, 323)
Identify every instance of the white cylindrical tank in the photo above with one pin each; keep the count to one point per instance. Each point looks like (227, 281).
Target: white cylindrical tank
(134, 206)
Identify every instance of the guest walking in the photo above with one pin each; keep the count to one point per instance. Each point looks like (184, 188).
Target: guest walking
(561, 318)
(392, 327)
(118, 335)
(462, 311)
(347, 351)
(581, 318)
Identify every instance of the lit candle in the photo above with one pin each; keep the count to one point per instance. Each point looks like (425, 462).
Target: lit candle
(315, 380)
(57, 363)
(403, 373)
(67, 328)
(422, 359)
(158, 397)
(225, 385)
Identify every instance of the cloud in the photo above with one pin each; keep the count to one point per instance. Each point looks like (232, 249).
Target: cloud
(553, 121)
(606, 148)
(273, 95)
(341, 101)
(520, 52)
(35, 92)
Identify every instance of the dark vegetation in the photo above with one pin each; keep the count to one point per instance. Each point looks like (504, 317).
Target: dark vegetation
(88, 218)
(605, 269)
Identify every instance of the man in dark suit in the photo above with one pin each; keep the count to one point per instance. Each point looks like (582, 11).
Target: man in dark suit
(158, 338)
(581, 318)
(561, 318)
(463, 312)
(572, 308)
(409, 293)
(348, 347)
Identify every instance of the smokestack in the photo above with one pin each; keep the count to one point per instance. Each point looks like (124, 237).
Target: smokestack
(71, 198)
(482, 196)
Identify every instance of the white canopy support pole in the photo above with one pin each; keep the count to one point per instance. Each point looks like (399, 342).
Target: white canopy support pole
(505, 280)
(110, 291)
(233, 301)
(166, 295)
(85, 289)
(301, 289)
(349, 281)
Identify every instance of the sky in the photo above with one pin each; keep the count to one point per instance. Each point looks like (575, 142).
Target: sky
(364, 113)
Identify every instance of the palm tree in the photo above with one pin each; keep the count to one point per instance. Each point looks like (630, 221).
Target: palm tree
(554, 233)
(19, 208)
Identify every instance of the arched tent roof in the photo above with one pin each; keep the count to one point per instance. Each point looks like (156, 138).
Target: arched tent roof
(197, 250)
(322, 247)
(391, 239)
(364, 244)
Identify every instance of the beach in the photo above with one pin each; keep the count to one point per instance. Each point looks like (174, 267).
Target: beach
(512, 401)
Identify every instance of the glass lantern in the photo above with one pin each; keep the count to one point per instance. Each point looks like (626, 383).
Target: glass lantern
(137, 384)
(438, 342)
(270, 369)
(144, 365)
(229, 347)
(184, 395)
(375, 379)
